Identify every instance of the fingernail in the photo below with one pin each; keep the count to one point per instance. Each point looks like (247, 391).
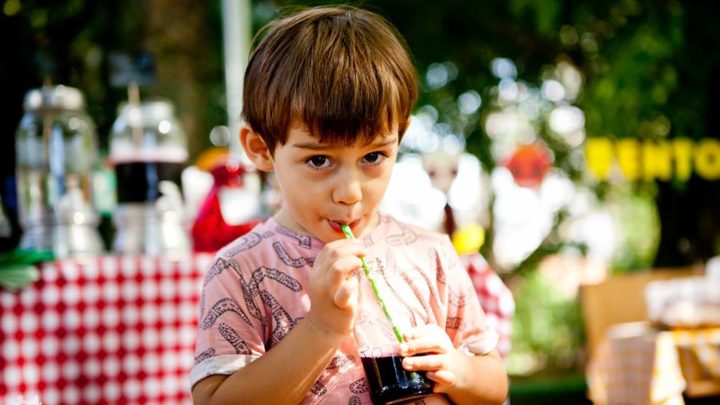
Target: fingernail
(403, 348)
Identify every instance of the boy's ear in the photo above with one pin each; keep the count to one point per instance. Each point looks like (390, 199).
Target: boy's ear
(256, 149)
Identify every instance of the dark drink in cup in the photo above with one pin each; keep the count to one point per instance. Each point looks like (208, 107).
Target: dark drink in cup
(378, 340)
(390, 383)
(139, 181)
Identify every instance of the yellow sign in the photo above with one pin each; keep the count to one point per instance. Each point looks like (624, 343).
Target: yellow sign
(650, 160)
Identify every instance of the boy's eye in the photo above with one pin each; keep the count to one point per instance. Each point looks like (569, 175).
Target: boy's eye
(374, 157)
(318, 162)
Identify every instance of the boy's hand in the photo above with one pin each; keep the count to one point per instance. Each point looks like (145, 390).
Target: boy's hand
(442, 361)
(333, 286)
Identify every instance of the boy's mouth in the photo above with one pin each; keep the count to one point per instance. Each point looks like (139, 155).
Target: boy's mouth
(335, 225)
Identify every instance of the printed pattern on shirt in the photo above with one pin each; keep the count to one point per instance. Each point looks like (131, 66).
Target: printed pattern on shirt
(206, 354)
(290, 261)
(303, 240)
(232, 337)
(340, 361)
(221, 307)
(368, 241)
(406, 237)
(359, 386)
(283, 278)
(459, 298)
(218, 266)
(318, 389)
(251, 288)
(417, 290)
(452, 261)
(283, 322)
(440, 275)
(453, 322)
(389, 272)
(247, 241)
(202, 305)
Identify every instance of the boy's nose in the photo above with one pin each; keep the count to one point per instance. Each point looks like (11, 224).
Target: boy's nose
(348, 190)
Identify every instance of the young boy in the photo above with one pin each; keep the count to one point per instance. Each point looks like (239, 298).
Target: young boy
(328, 94)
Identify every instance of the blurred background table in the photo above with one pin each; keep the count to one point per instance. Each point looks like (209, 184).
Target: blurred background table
(113, 329)
(638, 364)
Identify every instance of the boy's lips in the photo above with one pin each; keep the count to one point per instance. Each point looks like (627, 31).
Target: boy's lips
(335, 225)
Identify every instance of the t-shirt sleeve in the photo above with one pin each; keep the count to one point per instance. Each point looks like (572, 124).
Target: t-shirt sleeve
(467, 325)
(229, 334)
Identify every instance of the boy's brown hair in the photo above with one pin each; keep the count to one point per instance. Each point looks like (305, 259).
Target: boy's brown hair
(344, 72)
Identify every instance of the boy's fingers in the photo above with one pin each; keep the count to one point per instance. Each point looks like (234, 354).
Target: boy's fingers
(338, 260)
(344, 269)
(425, 344)
(444, 379)
(424, 363)
(344, 247)
(424, 339)
(346, 295)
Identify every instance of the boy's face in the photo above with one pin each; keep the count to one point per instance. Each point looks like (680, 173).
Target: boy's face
(325, 185)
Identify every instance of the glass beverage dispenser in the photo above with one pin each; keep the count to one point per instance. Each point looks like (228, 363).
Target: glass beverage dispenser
(56, 155)
(148, 151)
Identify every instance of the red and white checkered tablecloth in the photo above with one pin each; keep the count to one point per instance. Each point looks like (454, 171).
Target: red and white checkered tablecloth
(116, 330)
(121, 330)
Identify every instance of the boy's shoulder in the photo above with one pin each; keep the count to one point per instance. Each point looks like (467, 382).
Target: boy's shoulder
(247, 241)
(268, 241)
(397, 232)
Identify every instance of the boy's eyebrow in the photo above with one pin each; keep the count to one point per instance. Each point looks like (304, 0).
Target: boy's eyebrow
(323, 146)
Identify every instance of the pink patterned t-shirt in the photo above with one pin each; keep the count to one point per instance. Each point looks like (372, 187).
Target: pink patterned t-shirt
(255, 293)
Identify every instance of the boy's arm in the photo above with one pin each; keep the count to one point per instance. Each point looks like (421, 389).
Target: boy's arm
(284, 374)
(287, 372)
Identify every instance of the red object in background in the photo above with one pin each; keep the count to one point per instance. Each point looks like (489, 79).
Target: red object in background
(210, 232)
(529, 165)
(496, 299)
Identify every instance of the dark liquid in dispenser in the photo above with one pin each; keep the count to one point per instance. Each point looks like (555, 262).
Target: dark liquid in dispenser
(138, 182)
(390, 383)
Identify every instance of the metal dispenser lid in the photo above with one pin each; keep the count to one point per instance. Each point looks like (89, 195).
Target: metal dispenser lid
(54, 98)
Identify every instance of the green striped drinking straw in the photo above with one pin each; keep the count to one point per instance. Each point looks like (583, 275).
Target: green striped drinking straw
(348, 234)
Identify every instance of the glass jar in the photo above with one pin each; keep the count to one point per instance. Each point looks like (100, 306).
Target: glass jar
(378, 340)
(148, 150)
(55, 158)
